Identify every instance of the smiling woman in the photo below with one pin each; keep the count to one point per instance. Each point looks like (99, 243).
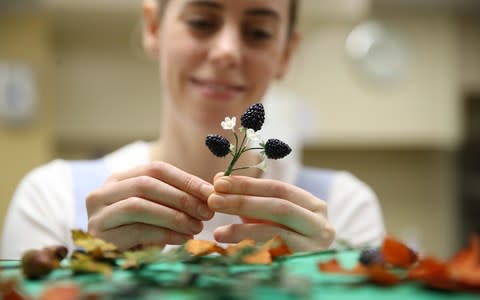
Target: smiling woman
(216, 58)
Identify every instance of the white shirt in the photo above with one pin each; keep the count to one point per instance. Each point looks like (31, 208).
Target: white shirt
(41, 212)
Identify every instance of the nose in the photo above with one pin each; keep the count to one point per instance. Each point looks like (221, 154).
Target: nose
(226, 50)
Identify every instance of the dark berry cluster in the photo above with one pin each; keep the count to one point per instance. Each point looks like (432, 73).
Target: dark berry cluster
(276, 149)
(253, 117)
(371, 256)
(218, 145)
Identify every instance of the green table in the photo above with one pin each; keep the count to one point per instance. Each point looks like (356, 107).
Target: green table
(298, 276)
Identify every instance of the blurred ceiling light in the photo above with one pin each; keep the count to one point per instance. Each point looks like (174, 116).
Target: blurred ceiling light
(377, 52)
(335, 9)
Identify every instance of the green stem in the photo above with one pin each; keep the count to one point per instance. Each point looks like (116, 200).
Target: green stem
(236, 156)
(255, 148)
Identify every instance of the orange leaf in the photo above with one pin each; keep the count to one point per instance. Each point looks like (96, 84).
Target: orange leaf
(398, 254)
(428, 267)
(234, 249)
(464, 267)
(333, 266)
(277, 247)
(70, 292)
(381, 276)
(260, 257)
(201, 247)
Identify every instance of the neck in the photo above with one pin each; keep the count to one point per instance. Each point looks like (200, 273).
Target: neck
(183, 146)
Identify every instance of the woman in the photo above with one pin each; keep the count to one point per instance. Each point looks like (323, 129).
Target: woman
(216, 58)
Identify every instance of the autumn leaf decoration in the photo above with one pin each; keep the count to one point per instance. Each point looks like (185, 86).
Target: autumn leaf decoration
(399, 263)
(246, 251)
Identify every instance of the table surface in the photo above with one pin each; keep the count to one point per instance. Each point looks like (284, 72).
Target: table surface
(300, 280)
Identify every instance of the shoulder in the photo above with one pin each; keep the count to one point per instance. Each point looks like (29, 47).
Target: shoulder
(56, 172)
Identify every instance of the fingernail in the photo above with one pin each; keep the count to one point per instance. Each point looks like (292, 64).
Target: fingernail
(223, 185)
(216, 201)
(206, 190)
(204, 212)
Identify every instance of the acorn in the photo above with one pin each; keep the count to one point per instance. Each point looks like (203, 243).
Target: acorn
(38, 263)
(217, 144)
(276, 149)
(253, 117)
(59, 252)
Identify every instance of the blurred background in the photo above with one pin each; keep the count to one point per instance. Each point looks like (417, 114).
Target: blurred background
(387, 89)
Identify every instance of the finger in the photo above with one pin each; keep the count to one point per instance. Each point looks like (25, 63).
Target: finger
(152, 189)
(218, 175)
(269, 188)
(128, 236)
(276, 210)
(137, 210)
(171, 175)
(235, 233)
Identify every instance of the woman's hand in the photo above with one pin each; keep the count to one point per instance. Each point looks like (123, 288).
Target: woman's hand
(152, 204)
(269, 208)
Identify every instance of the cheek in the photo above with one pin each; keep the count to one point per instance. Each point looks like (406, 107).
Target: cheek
(262, 70)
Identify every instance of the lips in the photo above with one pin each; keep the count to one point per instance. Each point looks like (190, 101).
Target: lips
(218, 89)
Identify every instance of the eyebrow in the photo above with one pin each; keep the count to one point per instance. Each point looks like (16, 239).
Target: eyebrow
(204, 3)
(264, 12)
(251, 12)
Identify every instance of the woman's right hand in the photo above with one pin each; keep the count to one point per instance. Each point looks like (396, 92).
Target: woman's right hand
(155, 203)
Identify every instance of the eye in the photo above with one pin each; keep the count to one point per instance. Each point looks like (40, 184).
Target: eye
(201, 24)
(257, 34)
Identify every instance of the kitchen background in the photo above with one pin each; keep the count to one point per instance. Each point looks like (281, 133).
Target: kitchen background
(387, 89)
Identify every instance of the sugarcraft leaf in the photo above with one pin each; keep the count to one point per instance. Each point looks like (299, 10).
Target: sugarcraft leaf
(333, 266)
(277, 247)
(9, 290)
(137, 259)
(433, 273)
(90, 243)
(202, 247)
(233, 250)
(464, 267)
(66, 292)
(381, 276)
(398, 254)
(259, 257)
(81, 263)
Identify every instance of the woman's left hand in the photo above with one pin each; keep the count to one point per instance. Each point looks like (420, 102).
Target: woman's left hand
(269, 208)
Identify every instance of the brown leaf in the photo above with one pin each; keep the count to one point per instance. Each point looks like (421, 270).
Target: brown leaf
(66, 292)
(398, 254)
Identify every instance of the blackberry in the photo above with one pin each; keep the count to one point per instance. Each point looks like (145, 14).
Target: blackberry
(253, 117)
(218, 145)
(276, 149)
(371, 256)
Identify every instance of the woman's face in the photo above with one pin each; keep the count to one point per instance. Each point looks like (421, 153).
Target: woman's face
(217, 57)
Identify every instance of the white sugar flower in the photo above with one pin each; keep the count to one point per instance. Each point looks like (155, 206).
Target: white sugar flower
(253, 136)
(262, 165)
(232, 148)
(229, 123)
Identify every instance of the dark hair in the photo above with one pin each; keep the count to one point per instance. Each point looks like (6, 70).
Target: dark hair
(292, 22)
